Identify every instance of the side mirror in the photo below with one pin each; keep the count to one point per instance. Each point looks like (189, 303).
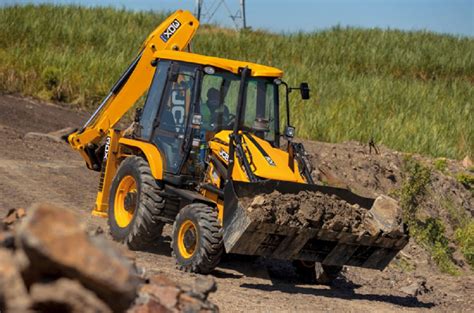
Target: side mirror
(304, 89)
(173, 72)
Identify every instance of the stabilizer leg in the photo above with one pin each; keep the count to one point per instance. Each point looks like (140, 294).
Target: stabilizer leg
(109, 167)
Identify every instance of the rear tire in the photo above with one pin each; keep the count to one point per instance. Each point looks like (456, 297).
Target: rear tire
(134, 205)
(197, 239)
(316, 273)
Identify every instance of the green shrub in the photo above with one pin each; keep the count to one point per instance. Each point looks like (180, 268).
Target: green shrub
(416, 179)
(51, 77)
(466, 179)
(464, 236)
(431, 234)
(441, 164)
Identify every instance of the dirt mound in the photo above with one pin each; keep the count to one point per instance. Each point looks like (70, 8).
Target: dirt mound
(367, 173)
(307, 208)
(441, 210)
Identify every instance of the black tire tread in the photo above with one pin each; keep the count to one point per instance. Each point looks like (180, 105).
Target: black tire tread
(211, 246)
(145, 228)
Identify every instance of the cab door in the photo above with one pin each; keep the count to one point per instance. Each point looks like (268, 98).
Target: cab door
(169, 100)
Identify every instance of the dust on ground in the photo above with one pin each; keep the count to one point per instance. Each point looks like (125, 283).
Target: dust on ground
(34, 169)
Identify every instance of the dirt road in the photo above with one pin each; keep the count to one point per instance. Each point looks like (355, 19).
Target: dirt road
(38, 169)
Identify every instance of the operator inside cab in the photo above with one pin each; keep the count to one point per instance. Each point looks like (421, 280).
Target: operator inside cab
(215, 115)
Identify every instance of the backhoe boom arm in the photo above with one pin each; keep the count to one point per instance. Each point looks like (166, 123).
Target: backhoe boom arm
(175, 33)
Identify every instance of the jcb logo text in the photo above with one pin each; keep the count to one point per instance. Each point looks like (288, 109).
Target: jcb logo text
(170, 30)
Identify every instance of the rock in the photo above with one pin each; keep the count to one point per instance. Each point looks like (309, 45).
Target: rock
(13, 216)
(162, 280)
(149, 305)
(63, 249)
(163, 290)
(174, 298)
(203, 286)
(65, 295)
(467, 162)
(411, 290)
(417, 288)
(188, 303)
(7, 240)
(385, 215)
(13, 293)
(167, 295)
(258, 200)
(117, 251)
(20, 213)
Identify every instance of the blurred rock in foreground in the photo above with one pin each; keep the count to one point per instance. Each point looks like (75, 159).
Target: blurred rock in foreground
(48, 263)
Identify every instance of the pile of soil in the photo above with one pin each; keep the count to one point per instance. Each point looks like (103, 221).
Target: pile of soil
(306, 209)
(354, 166)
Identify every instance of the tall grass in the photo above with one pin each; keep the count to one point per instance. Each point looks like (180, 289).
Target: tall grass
(412, 91)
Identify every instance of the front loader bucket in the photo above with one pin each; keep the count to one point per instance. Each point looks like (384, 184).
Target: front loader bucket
(373, 248)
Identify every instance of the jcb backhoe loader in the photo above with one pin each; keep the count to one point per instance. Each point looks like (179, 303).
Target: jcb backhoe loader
(207, 136)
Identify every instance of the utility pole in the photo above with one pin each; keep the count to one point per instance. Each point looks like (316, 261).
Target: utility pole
(206, 10)
(198, 7)
(242, 10)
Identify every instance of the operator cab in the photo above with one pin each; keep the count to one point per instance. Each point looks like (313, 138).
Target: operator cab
(188, 103)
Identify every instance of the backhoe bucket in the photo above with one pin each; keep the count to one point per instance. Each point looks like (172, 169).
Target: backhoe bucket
(374, 248)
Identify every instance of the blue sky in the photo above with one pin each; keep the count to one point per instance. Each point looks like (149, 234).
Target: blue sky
(442, 16)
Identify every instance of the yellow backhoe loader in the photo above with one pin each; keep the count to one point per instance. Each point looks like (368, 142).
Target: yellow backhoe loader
(206, 142)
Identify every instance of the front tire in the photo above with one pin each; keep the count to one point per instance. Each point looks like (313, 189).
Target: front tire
(134, 205)
(197, 239)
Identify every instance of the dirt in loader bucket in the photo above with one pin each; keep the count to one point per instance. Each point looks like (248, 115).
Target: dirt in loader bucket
(306, 208)
(293, 221)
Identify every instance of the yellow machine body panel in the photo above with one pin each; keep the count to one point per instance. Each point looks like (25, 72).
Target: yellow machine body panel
(225, 64)
(274, 166)
(151, 153)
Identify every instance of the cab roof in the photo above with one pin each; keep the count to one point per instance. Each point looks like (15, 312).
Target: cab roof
(225, 64)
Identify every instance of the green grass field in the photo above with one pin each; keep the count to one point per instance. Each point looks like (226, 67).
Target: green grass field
(411, 91)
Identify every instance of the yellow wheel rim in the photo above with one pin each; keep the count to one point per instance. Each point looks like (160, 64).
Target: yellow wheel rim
(187, 239)
(125, 201)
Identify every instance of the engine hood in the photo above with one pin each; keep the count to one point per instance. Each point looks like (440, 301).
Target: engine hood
(265, 161)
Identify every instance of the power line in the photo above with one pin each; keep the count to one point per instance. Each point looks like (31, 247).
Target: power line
(206, 10)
